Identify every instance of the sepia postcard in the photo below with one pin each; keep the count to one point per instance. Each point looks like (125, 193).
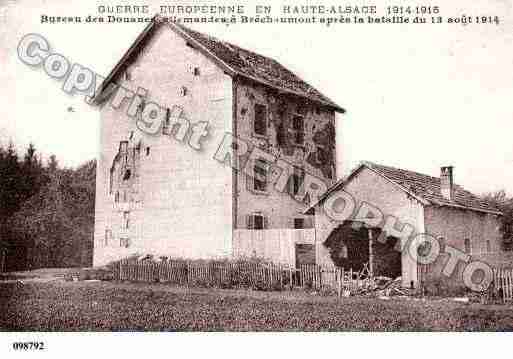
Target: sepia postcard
(242, 167)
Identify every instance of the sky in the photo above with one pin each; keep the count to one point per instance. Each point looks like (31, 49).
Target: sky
(418, 97)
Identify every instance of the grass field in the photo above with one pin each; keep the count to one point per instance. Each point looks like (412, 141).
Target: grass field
(105, 306)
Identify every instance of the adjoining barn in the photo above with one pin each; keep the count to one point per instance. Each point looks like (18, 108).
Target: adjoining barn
(421, 204)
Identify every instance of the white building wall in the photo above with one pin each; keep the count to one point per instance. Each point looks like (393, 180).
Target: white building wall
(184, 207)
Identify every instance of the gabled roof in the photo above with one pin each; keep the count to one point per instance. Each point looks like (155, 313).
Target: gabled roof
(424, 188)
(233, 59)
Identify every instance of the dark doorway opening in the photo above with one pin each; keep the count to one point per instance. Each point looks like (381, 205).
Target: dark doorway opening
(349, 249)
(305, 254)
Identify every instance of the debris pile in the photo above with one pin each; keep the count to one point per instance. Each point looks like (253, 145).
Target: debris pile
(382, 287)
(394, 288)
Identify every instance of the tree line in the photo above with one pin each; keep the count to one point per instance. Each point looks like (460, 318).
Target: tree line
(46, 211)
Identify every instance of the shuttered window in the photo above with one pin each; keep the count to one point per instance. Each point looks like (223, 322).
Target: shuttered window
(299, 223)
(260, 176)
(256, 221)
(126, 220)
(108, 236)
(260, 120)
(302, 222)
(296, 180)
(298, 128)
(468, 247)
(124, 242)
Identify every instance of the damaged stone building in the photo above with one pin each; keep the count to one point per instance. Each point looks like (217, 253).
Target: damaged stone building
(416, 204)
(156, 195)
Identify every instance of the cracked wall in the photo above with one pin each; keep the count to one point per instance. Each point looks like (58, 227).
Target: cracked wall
(182, 203)
(316, 155)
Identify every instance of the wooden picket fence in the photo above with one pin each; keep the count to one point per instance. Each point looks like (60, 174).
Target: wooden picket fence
(333, 278)
(503, 281)
(208, 273)
(241, 274)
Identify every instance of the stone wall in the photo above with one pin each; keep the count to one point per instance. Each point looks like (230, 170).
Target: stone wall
(315, 156)
(451, 226)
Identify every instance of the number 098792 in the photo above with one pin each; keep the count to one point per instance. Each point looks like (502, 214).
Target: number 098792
(28, 346)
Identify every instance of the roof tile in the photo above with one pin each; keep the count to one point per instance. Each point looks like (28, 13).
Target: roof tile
(428, 188)
(259, 67)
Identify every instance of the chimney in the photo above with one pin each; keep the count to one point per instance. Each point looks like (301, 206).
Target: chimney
(447, 182)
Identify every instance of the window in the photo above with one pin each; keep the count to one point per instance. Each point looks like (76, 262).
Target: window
(260, 121)
(298, 128)
(147, 151)
(196, 71)
(116, 197)
(441, 242)
(306, 200)
(167, 122)
(126, 220)
(111, 180)
(260, 175)
(322, 155)
(124, 242)
(108, 236)
(256, 221)
(127, 175)
(123, 146)
(488, 246)
(468, 248)
(296, 180)
(183, 91)
(299, 223)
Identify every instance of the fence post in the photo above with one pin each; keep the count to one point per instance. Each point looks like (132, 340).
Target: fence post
(269, 279)
(188, 273)
(339, 277)
(320, 277)
(351, 279)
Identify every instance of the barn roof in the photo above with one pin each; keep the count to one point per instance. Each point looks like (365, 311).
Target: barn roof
(426, 189)
(234, 60)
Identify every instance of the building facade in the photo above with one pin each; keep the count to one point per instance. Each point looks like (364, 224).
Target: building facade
(405, 204)
(157, 193)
